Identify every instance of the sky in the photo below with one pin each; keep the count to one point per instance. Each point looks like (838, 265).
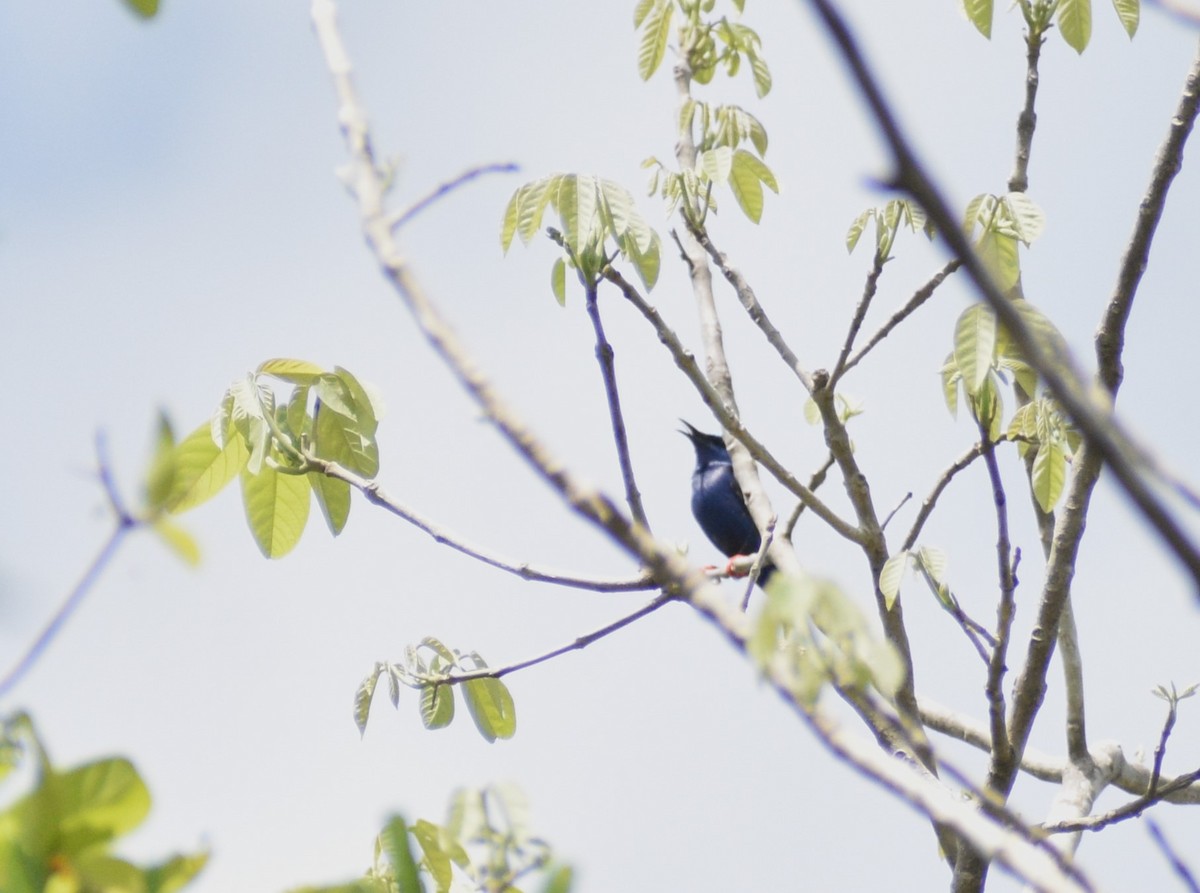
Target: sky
(170, 217)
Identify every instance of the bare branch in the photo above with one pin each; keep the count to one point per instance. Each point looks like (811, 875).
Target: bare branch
(577, 644)
(750, 302)
(1005, 609)
(920, 296)
(375, 494)
(125, 523)
(398, 220)
(931, 500)
(1177, 864)
(860, 313)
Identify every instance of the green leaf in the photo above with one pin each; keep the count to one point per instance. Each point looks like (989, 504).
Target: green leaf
(277, 508)
(641, 11)
(762, 75)
(950, 379)
(333, 498)
(748, 172)
(979, 12)
(891, 576)
(1075, 23)
(1026, 216)
(999, 254)
(1128, 12)
(202, 469)
(98, 801)
(655, 31)
(147, 9)
(716, 163)
(362, 700)
(433, 839)
(933, 562)
(341, 439)
(394, 841)
(365, 412)
(437, 706)
(1049, 473)
(177, 540)
(559, 879)
(292, 371)
(174, 874)
(491, 707)
(975, 345)
(162, 465)
(856, 229)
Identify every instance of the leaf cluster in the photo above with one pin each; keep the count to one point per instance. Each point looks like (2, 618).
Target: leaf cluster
(1074, 18)
(267, 443)
(484, 843)
(888, 220)
(592, 212)
(60, 835)
(431, 668)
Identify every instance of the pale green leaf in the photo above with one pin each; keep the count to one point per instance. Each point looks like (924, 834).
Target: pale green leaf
(394, 841)
(641, 11)
(339, 439)
(161, 473)
(891, 576)
(202, 468)
(1049, 474)
(647, 263)
(748, 173)
(979, 12)
(999, 254)
(291, 371)
(716, 163)
(975, 345)
(812, 413)
(1027, 217)
(655, 32)
(1075, 23)
(1128, 12)
(364, 406)
(146, 9)
(174, 874)
(433, 855)
(762, 75)
(934, 562)
(103, 800)
(333, 498)
(277, 508)
(178, 540)
(950, 379)
(437, 706)
(856, 229)
(559, 879)
(558, 281)
(491, 707)
(362, 701)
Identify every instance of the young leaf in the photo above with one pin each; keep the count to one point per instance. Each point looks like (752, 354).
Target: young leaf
(656, 28)
(292, 371)
(277, 508)
(362, 701)
(979, 12)
(177, 540)
(437, 706)
(1049, 473)
(951, 376)
(1128, 12)
(998, 251)
(747, 175)
(394, 841)
(491, 707)
(891, 575)
(1027, 217)
(1075, 23)
(162, 465)
(339, 438)
(975, 345)
(333, 498)
(202, 468)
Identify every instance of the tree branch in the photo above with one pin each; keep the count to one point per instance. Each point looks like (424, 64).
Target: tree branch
(398, 220)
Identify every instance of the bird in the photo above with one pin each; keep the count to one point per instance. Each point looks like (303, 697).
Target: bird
(717, 501)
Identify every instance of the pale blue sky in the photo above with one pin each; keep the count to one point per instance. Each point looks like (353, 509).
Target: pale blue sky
(169, 218)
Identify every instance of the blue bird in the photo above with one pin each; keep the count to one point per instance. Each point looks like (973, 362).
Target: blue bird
(717, 501)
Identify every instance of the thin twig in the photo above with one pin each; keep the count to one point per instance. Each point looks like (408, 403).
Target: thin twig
(860, 314)
(398, 220)
(125, 523)
(920, 296)
(604, 356)
(760, 559)
(892, 513)
(1005, 610)
(751, 304)
(577, 645)
(943, 482)
(814, 482)
(1130, 810)
(1177, 864)
(375, 494)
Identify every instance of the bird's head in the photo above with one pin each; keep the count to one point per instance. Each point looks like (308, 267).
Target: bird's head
(710, 448)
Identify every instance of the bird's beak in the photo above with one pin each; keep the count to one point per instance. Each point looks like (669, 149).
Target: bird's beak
(691, 431)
